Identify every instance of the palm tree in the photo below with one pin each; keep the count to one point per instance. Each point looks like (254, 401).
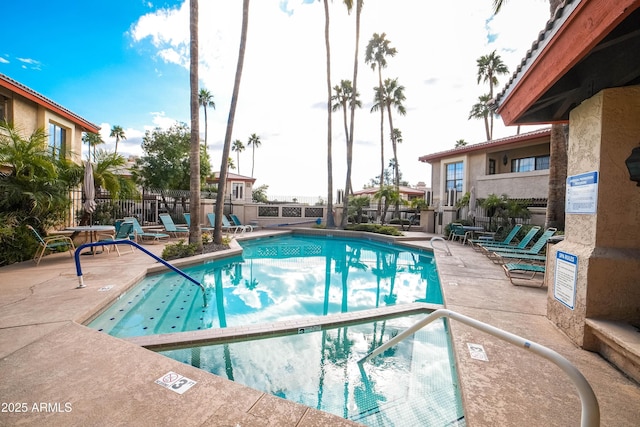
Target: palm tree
(205, 99)
(327, 44)
(489, 67)
(254, 142)
(217, 234)
(392, 95)
(461, 143)
(388, 195)
(92, 140)
(557, 156)
(344, 96)
(195, 233)
(481, 110)
(378, 49)
(118, 133)
(238, 147)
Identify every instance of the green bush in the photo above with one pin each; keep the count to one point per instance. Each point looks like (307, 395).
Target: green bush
(178, 250)
(375, 228)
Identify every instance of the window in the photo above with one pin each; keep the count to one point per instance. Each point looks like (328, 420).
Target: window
(4, 109)
(528, 164)
(454, 176)
(492, 167)
(57, 140)
(237, 189)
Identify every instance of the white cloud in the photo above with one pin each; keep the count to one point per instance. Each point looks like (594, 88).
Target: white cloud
(3, 61)
(283, 89)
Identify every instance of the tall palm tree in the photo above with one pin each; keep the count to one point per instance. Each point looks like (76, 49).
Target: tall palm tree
(557, 156)
(195, 233)
(254, 142)
(489, 68)
(327, 44)
(118, 133)
(217, 234)
(481, 110)
(392, 95)
(238, 147)
(92, 140)
(345, 98)
(205, 99)
(378, 49)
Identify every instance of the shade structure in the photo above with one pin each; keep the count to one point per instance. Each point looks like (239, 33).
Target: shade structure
(89, 189)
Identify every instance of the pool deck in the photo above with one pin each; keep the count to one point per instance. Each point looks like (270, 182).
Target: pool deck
(57, 372)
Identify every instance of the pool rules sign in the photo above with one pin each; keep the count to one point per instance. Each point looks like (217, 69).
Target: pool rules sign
(564, 289)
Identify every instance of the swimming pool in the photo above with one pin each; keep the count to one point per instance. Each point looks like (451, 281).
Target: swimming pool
(412, 384)
(276, 279)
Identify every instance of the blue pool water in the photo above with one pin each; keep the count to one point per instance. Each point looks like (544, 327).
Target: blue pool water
(412, 384)
(276, 279)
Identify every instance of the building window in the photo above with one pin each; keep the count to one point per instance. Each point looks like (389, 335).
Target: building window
(57, 140)
(529, 164)
(237, 189)
(4, 109)
(454, 176)
(492, 167)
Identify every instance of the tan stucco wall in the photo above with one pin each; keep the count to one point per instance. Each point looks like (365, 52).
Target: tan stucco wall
(603, 131)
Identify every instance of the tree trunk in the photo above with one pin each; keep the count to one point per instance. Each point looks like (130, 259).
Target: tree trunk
(330, 218)
(195, 235)
(217, 233)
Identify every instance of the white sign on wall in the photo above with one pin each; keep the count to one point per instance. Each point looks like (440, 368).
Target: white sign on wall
(564, 289)
(582, 193)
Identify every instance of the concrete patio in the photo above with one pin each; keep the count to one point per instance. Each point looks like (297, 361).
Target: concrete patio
(57, 372)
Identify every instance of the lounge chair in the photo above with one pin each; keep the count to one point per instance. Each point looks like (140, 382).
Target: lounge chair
(187, 218)
(141, 235)
(531, 254)
(506, 241)
(51, 244)
(519, 271)
(488, 247)
(170, 227)
(226, 225)
(123, 233)
(236, 221)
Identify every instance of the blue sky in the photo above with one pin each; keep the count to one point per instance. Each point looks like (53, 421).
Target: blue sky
(125, 62)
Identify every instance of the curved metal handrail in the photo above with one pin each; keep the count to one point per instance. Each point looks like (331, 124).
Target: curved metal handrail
(447, 251)
(134, 244)
(590, 408)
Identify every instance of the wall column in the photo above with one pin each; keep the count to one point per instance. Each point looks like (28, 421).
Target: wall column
(602, 132)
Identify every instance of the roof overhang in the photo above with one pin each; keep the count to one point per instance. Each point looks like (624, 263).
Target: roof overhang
(587, 46)
(45, 102)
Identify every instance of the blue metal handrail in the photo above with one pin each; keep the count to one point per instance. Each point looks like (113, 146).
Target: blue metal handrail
(134, 244)
(590, 407)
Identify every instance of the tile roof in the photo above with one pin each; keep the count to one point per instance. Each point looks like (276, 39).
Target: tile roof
(19, 88)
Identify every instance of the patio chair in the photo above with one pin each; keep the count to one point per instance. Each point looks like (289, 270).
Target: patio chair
(489, 241)
(51, 244)
(517, 271)
(456, 231)
(489, 247)
(226, 225)
(124, 232)
(531, 254)
(187, 218)
(236, 221)
(170, 227)
(142, 235)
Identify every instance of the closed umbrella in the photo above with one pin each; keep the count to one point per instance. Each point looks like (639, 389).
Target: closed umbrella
(89, 191)
(472, 204)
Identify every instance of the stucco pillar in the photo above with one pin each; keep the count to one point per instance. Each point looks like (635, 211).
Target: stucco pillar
(602, 132)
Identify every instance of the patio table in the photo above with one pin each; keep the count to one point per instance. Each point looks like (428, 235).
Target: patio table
(91, 232)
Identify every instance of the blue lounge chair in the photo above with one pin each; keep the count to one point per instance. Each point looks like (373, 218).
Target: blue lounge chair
(51, 244)
(187, 218)
(236, 221)
(488, 247)
(518, 271)
(456, 231)
(142, 235)
(170, 227)
(507, 240)
(531, 254)
(123, 233)
(226, 225)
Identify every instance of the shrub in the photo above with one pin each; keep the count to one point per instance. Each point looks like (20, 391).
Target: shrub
(375, 228)
(178, 250)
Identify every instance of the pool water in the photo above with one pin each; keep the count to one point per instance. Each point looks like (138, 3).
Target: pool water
(412, 384)
(276, 279)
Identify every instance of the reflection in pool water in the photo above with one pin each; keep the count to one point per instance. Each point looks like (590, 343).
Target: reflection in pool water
(411, 384)
(276, 279)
